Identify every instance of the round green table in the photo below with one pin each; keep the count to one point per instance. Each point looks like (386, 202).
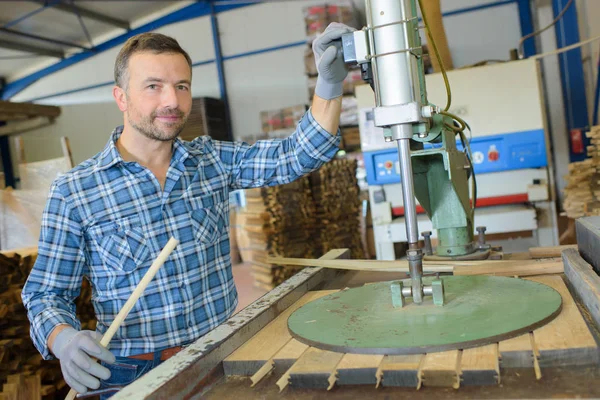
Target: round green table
(478, 310)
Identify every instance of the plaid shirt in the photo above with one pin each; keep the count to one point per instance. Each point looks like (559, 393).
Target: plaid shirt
(108, 220)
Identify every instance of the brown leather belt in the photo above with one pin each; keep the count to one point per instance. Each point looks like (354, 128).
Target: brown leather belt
(164, 354)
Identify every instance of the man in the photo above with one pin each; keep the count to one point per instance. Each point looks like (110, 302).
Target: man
(109, 217)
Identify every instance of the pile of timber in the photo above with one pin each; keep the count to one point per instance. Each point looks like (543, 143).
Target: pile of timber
(23, 373)
(336, 195)
(582, 193)
(303, 219)
(278, 221)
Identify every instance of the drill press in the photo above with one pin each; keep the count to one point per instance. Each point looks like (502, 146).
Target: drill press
(475, 308)
(389, 53)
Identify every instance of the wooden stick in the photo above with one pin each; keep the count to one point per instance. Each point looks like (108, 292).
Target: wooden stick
(552, 251)
(137, 293)
(517, 269)
(485, 267)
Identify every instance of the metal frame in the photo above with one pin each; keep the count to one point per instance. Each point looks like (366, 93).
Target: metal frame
(96, 16)
(214, 21)
(5, 44)
(43, 39)
(572, 76)
(196, 64)
(195, 10)
(526, 21)
(596, 96)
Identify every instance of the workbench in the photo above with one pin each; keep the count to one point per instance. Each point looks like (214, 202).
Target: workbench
(198, 370)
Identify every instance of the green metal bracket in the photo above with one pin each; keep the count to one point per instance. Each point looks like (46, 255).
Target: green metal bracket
(437, 286)
(441, 186)
(397, 298)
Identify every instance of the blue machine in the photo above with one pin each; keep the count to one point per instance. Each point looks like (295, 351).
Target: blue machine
(495, 153)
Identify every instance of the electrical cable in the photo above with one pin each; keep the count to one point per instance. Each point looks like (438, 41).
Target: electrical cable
(558, 17)
(462, 124)
(438, 57)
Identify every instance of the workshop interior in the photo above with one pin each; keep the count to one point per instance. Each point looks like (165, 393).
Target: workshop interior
(448, 250)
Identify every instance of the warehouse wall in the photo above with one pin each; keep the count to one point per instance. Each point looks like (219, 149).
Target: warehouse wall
(267, 80)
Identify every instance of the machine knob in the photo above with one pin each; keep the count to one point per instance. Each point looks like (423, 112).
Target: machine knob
(427, 240)
(481, 240)
(493, 154)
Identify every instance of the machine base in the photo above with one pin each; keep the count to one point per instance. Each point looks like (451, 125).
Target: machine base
(478, 310)
(477, 255)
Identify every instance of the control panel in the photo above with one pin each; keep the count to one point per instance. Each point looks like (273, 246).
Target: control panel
(490, 154)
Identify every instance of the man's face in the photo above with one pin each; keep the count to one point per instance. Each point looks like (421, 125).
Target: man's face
(158, 96)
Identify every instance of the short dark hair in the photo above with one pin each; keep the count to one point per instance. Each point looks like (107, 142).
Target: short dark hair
(156, 43)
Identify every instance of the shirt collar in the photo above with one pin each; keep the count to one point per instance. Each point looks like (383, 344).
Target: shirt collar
(111, 156)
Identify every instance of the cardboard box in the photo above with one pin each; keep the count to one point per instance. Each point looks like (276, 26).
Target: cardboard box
(271, 120)
(318, 17)
(292, 115)
(310, 67)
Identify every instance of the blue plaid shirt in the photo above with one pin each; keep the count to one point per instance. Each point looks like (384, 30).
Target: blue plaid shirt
(108, 220)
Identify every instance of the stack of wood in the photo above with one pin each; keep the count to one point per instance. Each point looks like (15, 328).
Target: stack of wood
(582, 193)
(207, 117)
(277, 220)
(23, 373)
(303, 219)
(336, 195)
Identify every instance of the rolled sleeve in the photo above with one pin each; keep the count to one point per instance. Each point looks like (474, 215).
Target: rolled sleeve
(315, 144)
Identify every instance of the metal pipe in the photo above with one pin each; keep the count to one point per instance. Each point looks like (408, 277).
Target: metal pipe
(427, 291)
(406, 173)
(415, 267)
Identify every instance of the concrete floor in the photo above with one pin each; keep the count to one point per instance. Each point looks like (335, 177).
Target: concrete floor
(247, 292)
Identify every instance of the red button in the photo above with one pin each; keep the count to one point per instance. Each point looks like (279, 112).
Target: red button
(493, 154)
(388, 165)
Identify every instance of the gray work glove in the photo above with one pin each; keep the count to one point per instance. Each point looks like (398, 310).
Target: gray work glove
(75, 350)
(330, 61)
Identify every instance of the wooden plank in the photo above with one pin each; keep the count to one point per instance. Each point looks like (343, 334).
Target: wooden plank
(66, 149)
(584, 281)
(588, 239)
(315, 369)
(257, 351)
(358, 369)
(518, 268)
(287, 356)
(402, 371)
(485, 267)
(441, 369)
(30, 109)
(516, 352)
(480, 366)
(10, 391)
(566, 340)
(551, 251)
(34, 387)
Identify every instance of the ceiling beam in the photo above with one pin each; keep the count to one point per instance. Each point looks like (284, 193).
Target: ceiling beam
(5, 44)
(96, 16)
(42, 38)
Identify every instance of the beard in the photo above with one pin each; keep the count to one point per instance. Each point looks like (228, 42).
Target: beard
(145, 125)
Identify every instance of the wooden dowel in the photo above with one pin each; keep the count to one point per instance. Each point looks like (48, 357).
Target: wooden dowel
(137, 293)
